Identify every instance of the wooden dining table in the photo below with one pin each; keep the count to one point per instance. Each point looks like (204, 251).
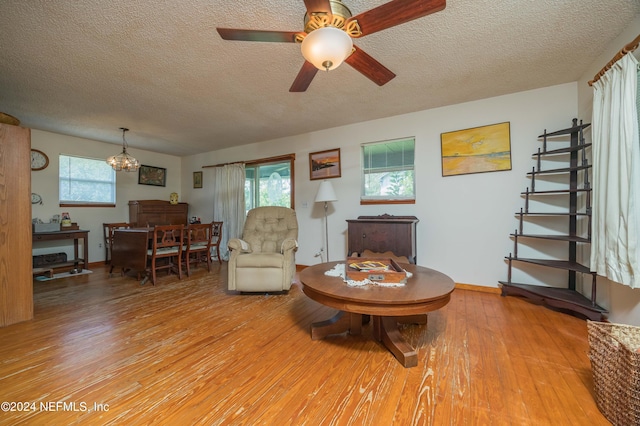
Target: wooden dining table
(129, 251)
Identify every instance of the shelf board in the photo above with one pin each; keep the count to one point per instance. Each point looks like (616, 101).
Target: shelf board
(560, 298)
(563, 150)
(562, 170)
(570, 238)
(551, 214)
(556, 191)
(66, 264)
(567, 131)
(552, 263)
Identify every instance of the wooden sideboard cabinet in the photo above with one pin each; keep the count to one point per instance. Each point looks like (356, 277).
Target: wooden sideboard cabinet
(157, 212)
(383, 233)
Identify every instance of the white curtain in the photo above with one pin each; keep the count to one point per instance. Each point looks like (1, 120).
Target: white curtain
(616, 175)
(228, 203)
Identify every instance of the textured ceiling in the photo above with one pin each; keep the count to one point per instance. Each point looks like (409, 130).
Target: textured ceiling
(86, 68)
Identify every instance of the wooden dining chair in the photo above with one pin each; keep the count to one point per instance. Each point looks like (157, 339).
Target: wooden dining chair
(198, 246)
(166, 247)
(216, 238)
(108, 229)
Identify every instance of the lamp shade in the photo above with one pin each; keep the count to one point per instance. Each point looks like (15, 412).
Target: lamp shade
(327, 47)
(325, 192)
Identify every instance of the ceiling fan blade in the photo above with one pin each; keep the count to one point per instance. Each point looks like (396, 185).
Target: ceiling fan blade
(396, 12)
(369, 67)
(257, 35)
(318, 6)
(304, 77)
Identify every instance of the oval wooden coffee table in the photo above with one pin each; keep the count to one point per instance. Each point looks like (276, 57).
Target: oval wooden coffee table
(426, 291)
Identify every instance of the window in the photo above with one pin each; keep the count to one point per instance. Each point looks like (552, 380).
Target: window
(269, 182)
(86, 181)
(387, 172)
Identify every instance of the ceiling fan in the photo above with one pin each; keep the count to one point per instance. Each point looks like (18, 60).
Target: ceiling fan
(329, 29)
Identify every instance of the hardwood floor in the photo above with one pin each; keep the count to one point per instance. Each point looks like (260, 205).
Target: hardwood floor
(189, 352)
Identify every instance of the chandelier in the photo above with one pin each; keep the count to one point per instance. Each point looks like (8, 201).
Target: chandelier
(123, 161)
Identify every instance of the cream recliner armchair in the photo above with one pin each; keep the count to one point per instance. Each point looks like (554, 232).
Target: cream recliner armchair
(264, 259)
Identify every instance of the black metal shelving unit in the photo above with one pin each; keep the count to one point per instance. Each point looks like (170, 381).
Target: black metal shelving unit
(566, 299)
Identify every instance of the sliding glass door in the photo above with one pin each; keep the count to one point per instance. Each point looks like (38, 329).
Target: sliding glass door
(269, 183)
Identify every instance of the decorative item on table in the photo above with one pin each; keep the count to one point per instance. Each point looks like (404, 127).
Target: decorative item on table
(66, 219)
(194, 220)
(370, 266)
(55, 218)
(383, 270)
(39, 226)
(173, 198)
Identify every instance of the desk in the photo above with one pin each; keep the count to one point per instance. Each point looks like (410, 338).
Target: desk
(74, 235)
(427, 290)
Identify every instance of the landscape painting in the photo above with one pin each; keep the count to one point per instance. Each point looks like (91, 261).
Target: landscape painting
(476, 150)
(325, 164)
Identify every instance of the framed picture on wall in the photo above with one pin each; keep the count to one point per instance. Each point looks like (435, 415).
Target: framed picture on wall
(197, 179)
(476, 150)
(324, 164)
(149, 175)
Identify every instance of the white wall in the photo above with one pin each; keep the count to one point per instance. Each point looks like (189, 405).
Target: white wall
(465, 221)
(622, 302)
(45, 183)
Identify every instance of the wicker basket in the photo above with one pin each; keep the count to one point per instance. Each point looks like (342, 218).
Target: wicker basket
(615, 362)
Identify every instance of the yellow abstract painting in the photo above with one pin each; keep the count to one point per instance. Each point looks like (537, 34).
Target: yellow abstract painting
(476, 150)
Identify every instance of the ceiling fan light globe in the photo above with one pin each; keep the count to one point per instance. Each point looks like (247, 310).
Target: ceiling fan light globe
(327, 45)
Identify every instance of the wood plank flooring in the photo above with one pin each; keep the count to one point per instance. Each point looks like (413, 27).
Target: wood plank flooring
(105, 350)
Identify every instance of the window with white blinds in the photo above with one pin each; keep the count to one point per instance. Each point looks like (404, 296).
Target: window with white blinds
(388, 170)
(86, 181)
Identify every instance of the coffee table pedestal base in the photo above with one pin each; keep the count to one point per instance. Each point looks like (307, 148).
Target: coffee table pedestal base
(338, 324)
(385, 330)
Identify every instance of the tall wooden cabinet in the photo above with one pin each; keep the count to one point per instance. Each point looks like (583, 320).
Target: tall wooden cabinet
(16, 281)
(157, 212)
(568, 169)
(383, 233)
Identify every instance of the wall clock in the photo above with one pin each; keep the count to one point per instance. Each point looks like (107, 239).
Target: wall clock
(36, 198)
(39, 160)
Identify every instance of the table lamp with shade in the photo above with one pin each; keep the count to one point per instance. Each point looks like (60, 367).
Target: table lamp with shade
(324, 195)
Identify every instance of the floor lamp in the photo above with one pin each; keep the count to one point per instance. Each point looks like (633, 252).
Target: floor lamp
(324, 195)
